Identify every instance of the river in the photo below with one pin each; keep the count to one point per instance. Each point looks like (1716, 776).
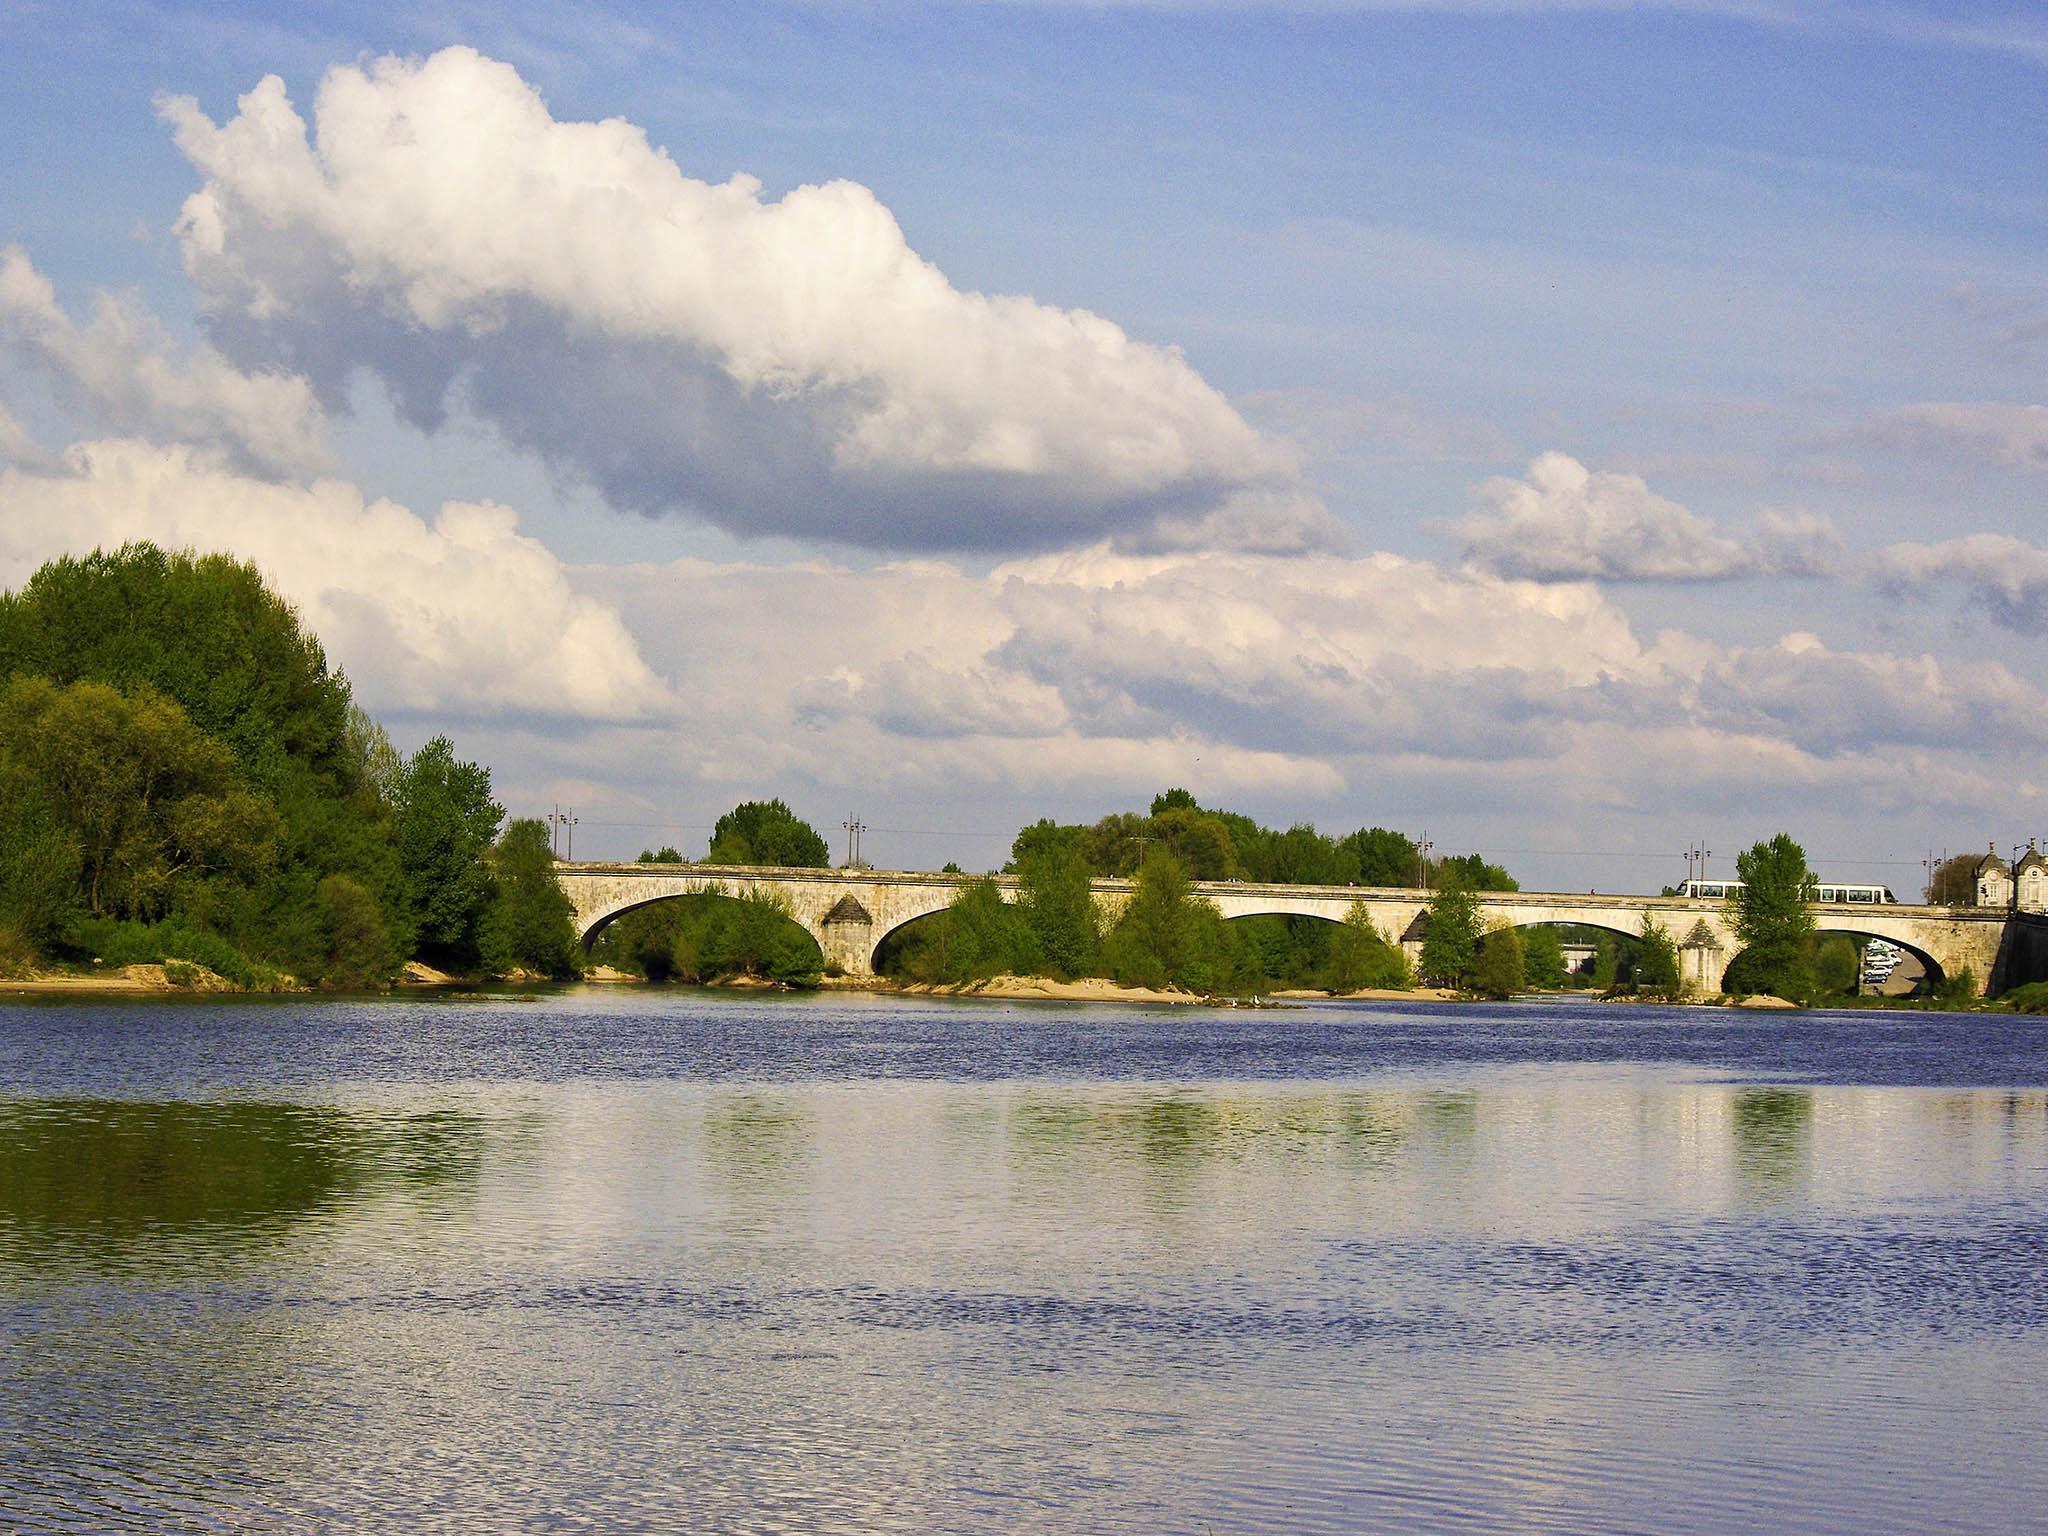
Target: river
(631, 1260)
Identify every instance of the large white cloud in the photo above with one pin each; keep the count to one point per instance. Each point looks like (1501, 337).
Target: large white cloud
(122, 372)
(1565, 522)
(460, 616)
(787, 366)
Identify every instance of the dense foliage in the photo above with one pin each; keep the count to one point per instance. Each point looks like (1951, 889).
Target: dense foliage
(767, 833)
(182, 779)
(1771, 917)
(710, 935)
(1222, 845)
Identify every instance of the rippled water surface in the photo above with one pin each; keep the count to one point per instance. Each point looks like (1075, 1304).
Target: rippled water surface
(641, 1261)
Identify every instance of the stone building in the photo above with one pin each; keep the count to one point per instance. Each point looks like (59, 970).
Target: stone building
(2030, 881)
(1994, 881)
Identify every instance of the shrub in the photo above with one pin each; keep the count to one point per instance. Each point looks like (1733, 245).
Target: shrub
(120, 942)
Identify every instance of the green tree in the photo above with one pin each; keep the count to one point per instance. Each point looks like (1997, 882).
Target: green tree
(152, 805)
(766, 833)
(1954, 882)
(531, 925)
(447, 822)
(753, 934)
(1497, 965)
(1166, 935)
(1047, 837)
(1199, 843)
(1382, 858)
(643, 940)
(1608, 963)
(1656, 960)
(1450, 940)
(40, 869)
(1360, 956)
(980, 932)
(662, 855)
(1771, 917)
(1116, 845)
(1836, 968)
(359, 951)
(1059, 910)
(1542, 957)
(1472, 873)
(202, 630)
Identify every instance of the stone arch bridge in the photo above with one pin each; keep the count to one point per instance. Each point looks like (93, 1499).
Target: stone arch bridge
(850, 911)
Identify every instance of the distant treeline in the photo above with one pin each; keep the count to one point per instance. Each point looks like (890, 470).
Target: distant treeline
(183, 780)
(1164, 935)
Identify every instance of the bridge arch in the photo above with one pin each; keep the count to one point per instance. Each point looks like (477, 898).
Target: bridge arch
(849, 912)
(717, 929)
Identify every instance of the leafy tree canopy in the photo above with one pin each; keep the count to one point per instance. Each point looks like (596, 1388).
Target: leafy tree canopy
(1210, 844)
(447, 822)
(148, 801)
(1656, 960)
(1954, 883)
(202, 630)
(529, 924)
(1470, 872)
(1770, 915)
(768, 833)
(1497, 966)
(1450, 941)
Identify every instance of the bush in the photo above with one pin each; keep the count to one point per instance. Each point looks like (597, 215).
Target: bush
(136, 943)
(17, 955)
(358, 952)
(1963, 984)
(1497, 968)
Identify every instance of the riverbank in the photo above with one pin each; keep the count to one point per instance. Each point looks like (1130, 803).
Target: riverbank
(129, 980)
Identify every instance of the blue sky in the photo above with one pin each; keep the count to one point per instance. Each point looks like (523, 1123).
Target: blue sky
(1621, 424)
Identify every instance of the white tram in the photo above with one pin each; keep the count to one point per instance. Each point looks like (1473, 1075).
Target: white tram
(1826, 891)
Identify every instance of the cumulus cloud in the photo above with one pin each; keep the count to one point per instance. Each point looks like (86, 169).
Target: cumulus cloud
(1831, 702)
(460, 615)
(1992, 432)
(2005, 576)
(784, 366)
(1309, 678)
(122, 371)
(1564, 522)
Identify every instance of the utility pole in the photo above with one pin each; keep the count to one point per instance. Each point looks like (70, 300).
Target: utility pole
(854, 828)
(1422, 849)
(569, 828)
(555, 830)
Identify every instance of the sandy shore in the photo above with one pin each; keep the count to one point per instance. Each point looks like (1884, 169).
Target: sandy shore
(1088, 989)
(127, 979)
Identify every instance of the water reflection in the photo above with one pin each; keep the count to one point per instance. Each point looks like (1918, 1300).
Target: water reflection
(114, 1173)
(1570, 1298)
(1772, 1132)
